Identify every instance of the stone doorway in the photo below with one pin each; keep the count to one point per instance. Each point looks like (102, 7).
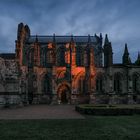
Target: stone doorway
(63, 93)
(64, 97)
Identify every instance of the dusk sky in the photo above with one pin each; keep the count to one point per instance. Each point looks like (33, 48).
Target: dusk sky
(120, 19)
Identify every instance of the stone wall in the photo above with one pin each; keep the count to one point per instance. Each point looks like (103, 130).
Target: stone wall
(9, 82)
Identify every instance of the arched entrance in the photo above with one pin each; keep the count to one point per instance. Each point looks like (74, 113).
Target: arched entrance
(63, 93)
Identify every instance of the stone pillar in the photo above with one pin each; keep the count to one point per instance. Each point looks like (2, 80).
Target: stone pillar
(92, 99)
(73, 96)
(130, 85)
(130, 99)
(74, 99)
(54, 87)
(54, 99)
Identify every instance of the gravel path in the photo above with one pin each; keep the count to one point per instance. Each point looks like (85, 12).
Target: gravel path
(41, 112)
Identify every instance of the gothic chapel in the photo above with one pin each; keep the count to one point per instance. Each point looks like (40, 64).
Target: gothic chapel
(67, 70)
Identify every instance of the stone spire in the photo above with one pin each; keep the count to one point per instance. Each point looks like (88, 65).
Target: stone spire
(137, 62)
(101, 36)
(27, 30)
(126, 59)
(106, 40)
(108, 54)
(138, 56)
(126, 50)
(72, 44)
(54, 41)
(36, 39)
(89, 41)
(71, 40)
(20, 30)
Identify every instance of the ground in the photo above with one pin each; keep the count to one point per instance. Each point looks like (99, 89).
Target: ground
(84, 128)
(41, 112)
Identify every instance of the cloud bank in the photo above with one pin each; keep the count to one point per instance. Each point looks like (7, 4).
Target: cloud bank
(119, 19)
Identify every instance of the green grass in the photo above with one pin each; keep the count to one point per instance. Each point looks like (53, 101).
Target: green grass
(91, 128)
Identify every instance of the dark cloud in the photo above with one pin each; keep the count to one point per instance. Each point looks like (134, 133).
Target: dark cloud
(119, 19)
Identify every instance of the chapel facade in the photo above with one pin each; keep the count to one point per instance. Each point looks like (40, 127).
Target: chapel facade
(67, 70)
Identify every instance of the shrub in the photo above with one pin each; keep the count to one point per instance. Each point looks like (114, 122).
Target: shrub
(107, 109)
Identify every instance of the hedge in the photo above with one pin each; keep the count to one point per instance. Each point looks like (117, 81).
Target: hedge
(107, 110)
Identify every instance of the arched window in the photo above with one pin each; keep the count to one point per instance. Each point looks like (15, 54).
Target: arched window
(135, 78)
(43, 56)
(117, 82)
(91, 83)
(61, 56)
(36, 54)
(79, 56)
(30, 58)
(50, 56)
(99, 83)
(81, 85)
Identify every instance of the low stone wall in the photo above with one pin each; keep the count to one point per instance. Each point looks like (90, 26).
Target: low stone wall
(114, 99)
(89, 99)
(41, 99)
(53, 99)
(16, 100)
(10, 100)
(80, 99)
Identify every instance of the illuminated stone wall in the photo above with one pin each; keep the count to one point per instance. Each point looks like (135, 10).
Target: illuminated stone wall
(72, 67)
(67, 69)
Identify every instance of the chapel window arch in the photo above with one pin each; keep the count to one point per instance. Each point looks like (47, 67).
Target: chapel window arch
(118, 79)
(79, 56)
(50, 56)
(61, 56)
(30, 57)
(43, 56)
(81, 85)
(47, 85)
(135, 80)
(100, 83)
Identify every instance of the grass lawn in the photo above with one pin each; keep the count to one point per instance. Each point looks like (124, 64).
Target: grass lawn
(91, 128)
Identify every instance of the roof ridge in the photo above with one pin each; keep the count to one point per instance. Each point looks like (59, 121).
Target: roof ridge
(62, 36)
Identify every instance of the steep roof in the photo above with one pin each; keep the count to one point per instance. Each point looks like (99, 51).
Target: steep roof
(62, 39)
(7, 55)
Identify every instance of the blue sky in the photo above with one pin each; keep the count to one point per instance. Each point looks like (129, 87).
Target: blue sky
(120, 19)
